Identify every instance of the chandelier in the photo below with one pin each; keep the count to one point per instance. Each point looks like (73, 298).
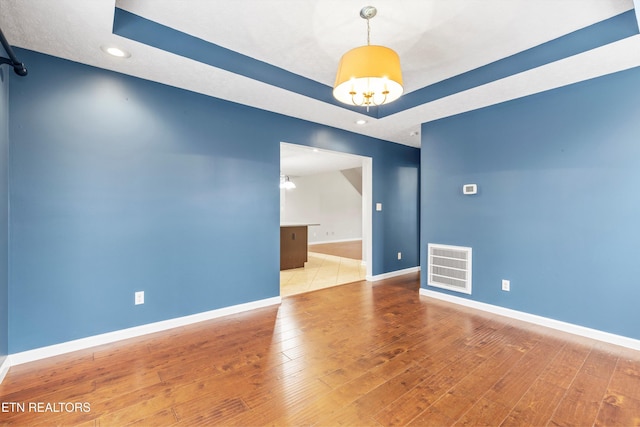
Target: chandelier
(368, 75)
(286, 183)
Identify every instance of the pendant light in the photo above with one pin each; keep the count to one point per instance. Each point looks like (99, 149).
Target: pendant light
(368, 75)
(286, 183)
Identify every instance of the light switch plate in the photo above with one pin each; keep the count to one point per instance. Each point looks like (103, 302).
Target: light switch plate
(139, 298)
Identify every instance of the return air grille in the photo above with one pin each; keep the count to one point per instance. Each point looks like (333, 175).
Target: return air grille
(450, 267)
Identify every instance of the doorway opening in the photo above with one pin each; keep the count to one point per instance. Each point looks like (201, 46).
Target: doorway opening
(333, 198)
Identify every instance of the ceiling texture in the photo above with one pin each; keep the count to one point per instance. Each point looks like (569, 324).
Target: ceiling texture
(282, 55)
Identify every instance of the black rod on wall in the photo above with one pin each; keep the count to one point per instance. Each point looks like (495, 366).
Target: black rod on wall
(18, 66)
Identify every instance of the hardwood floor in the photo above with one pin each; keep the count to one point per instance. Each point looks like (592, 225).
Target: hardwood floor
(351, 249)
(360, 354)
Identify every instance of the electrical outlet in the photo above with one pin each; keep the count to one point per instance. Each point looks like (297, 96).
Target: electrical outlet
(139, 298)
(506, 285)
(399, 255)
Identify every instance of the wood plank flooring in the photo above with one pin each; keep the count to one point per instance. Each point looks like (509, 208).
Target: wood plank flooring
(360, 354)
(352, 249)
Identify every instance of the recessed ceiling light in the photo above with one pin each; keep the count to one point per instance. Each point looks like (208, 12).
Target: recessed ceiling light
(414, 133)
(115, 51)
(361, 122)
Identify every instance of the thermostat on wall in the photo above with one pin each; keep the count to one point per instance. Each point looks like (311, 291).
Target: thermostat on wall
(469, 189)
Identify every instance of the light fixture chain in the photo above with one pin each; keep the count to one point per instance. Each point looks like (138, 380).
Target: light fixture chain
(368, 33)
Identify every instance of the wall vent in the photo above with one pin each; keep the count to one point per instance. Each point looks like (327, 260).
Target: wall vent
(450, 267)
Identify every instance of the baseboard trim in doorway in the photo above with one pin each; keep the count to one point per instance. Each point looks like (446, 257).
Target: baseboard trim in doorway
(537, 320)
(324, 242)
(392, 274)
(4, 368)
(136, 331)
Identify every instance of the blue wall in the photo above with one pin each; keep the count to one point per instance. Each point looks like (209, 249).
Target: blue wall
(4, 210)
(120, 185)
(558, 204)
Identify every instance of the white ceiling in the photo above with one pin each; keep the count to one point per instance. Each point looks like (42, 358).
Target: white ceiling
(298, 160)
(436, 39)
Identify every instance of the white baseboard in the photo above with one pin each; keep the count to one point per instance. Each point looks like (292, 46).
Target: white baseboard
(4, 368)
(136, 331)
(392, 274)
(322, 242)
(538, 320)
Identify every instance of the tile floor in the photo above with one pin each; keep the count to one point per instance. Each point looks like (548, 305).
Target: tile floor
(321, 271)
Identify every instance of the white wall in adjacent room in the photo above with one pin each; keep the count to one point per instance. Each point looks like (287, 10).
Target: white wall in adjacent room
(327, 199)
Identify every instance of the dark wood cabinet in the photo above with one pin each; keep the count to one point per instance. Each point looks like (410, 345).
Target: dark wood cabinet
(293, 246)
